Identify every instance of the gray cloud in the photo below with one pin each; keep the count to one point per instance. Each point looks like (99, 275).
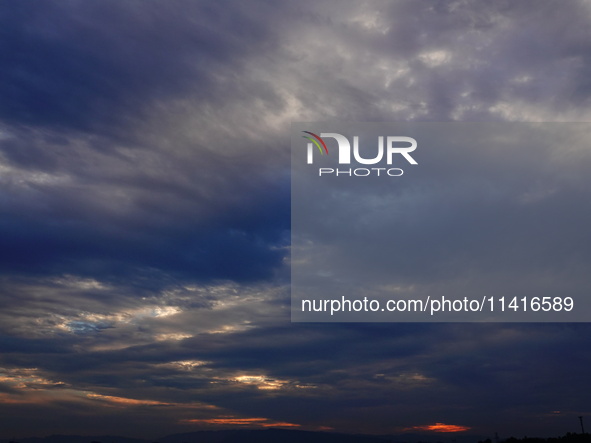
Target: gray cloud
(145, 212)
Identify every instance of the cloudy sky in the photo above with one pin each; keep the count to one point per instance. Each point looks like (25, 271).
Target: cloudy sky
(145, 214)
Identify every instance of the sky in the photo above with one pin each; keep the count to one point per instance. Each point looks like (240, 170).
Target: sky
(491, 211)
(145, 215)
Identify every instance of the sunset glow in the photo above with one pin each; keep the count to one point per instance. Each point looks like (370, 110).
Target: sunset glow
(439, 427)
(126, 401)
(256, 421)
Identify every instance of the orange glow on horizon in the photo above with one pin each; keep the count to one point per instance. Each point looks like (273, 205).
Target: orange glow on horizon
(16, 399)
(126, 401)
(439, 427)
(254, 421)
(225, 421)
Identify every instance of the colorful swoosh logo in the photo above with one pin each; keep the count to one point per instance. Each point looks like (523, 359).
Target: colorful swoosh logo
(315, 140)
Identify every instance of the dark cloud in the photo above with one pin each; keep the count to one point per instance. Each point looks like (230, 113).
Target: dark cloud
(144, 213)
(94, 67)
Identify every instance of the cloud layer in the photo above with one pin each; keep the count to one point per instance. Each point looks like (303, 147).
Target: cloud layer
(144, 176)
